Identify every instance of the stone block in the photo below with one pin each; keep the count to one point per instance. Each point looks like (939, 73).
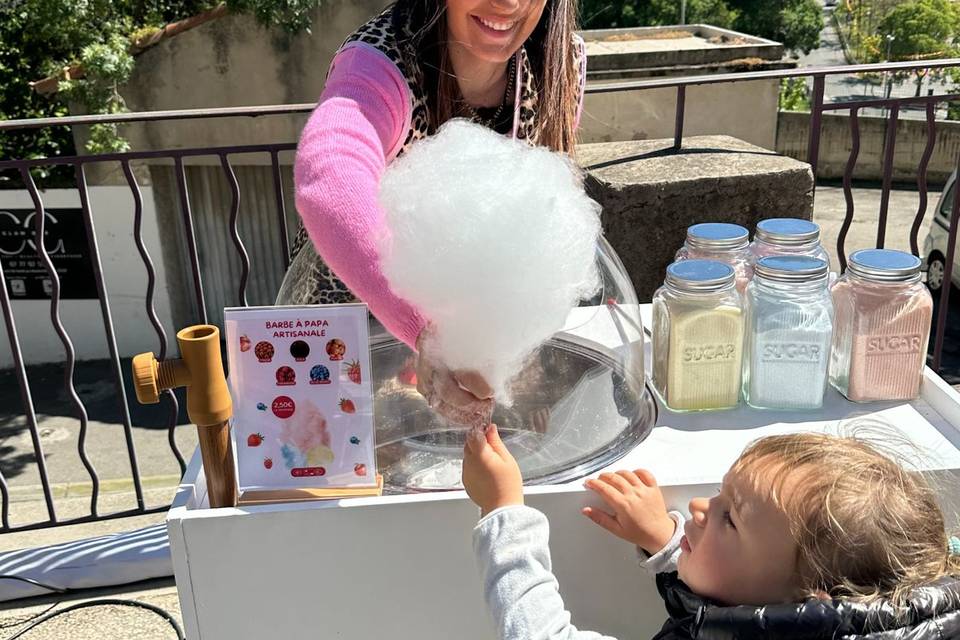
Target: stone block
(651, 193)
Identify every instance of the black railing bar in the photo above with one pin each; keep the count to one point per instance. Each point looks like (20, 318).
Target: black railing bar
(26, 398)
(153, 116)
(306, 107)
(108, 328)
(57, 323)
(922, 178)
(678, 123)
(191, 238)
(172, 414)
(172, 154)
(945, 289)
(168, 395)
(33, 526)
(145, 257)
(773, 74)
(848, 187)
(234, 231)
(889, 145)
(281, 208)
(887, 102)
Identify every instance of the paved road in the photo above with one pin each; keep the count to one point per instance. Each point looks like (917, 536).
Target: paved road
(845, 88)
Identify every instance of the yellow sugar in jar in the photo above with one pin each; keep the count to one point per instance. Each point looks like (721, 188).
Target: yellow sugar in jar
(698, 325)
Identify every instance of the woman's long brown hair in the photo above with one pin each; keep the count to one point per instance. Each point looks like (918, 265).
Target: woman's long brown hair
(549, 47)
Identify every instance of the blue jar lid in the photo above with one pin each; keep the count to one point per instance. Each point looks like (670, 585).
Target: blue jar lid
(700, 276)
(791, 269)
(884, 265)
(788, 231)
(717, 236)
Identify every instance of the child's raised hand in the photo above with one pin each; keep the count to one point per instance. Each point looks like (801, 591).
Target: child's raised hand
(491, 476)
(639, 512)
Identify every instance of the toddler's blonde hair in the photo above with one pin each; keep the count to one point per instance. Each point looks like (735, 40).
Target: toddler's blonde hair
(866, 528)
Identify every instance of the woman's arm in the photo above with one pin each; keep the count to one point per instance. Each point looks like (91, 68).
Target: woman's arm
(358, 126)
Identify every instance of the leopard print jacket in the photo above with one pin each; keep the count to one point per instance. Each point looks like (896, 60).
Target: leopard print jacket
(308, 279)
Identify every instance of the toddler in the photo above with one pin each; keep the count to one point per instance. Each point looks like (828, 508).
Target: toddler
(811, 537)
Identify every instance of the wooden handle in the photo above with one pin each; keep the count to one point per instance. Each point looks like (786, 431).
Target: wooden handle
(218, 465)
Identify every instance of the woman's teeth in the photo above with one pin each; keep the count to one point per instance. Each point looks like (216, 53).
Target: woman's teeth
(496, 26)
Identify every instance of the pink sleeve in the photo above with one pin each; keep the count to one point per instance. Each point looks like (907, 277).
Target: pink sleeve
(358, 126)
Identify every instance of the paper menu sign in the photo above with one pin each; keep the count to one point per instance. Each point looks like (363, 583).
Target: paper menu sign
(302, 399)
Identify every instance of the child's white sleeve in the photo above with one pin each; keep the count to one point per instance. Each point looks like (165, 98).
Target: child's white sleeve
(522, 594)
(665, 560)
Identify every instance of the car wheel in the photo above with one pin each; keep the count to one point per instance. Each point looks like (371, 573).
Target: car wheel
(936, 268)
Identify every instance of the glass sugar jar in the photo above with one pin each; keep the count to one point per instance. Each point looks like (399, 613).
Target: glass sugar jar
(720, 241)
(882, 323)
(787, 236)
(698, 337)
(789, 332)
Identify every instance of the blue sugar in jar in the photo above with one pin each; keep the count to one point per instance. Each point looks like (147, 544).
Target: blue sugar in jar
(787, 236)
(789, 333)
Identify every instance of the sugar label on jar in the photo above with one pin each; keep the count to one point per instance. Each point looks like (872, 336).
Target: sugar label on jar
(791, 352)
(894, 345)
(710, 353)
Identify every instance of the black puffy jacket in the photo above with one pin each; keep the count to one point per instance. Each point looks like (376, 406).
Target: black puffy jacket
(934, 614)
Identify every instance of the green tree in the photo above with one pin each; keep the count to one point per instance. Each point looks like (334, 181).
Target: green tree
(795, 23)
(39, 38)
(616, 14)
(918, 30)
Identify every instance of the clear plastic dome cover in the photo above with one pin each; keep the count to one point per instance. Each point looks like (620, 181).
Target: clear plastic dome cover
(580, 402)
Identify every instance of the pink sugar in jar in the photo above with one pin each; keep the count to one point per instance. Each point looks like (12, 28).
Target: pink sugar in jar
(881, 327)
(723, 242)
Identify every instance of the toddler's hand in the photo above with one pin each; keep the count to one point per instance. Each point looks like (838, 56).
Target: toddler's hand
(490, 474)
(639, 513)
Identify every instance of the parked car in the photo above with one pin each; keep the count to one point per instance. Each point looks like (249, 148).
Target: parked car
(935, 246)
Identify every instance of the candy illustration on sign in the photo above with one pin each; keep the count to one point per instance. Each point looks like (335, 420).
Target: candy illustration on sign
(299, 350)
(263, 351)
(286, 377)
(319, 374)
(336, 349)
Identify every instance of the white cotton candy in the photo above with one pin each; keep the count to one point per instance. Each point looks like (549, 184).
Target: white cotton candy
(493, 240)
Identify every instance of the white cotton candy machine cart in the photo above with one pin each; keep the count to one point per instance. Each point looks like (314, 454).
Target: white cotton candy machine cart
(401, 565)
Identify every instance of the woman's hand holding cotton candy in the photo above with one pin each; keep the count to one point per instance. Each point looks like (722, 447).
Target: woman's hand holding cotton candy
(463, 396)
(491, 475)
(637, 514)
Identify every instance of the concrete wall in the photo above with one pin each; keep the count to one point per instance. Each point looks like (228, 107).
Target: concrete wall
(793, 130)
(650, 194)
(745, 110)
(234, 62)
(124, 274)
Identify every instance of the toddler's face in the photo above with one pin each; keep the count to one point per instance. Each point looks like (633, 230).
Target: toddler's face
(737, 547)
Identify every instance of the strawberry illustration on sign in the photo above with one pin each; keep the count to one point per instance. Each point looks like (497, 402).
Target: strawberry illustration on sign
(353, 371)
(267, 463)
(254, 440)
(347, 406)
